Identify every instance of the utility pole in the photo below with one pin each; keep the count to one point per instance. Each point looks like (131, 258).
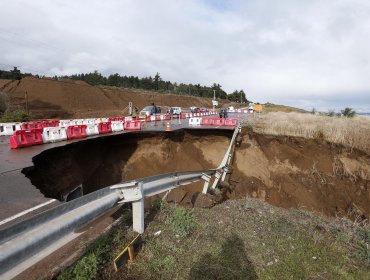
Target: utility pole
(26, 98)
(214, 98)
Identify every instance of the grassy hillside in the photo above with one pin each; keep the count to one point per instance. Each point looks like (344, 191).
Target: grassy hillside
(269, 107)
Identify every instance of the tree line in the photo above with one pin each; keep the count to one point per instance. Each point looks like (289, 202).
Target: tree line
(155, 83)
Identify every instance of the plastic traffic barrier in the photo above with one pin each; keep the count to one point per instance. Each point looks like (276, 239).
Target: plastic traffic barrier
(231, 122)
(182, 116)
(113, 119)
(132, 125)
(104, 127)
(195, 121)
(54, 134)
(218, 121)
(25, 138)
(117, 126)
(157, 117)
(167, 116)
(31, 125)
(9, 128)
(92, 129)
(76, 131)
(207, 121)
(64, 123)
(89, 121)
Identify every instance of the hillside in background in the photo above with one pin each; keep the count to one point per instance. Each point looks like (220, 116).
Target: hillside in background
(48, 98)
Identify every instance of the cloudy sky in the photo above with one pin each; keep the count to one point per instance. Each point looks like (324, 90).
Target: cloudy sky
(308, 53)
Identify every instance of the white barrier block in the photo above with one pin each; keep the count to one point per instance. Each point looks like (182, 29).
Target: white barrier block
(9, 128)
(88, 121)
(92, 129)
(152, 118)
(117, 126)
(128, 118)
(195, 121)
(54, 134)
(76, 122)
(64, 123)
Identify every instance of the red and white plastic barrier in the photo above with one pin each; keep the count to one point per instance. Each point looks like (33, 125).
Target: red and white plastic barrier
(92, 129)
(195, 121)
(54, 134)
(117, 126)
(133, 125)
(9, 128)
(76, 131)
(25, 138)
(104, 127)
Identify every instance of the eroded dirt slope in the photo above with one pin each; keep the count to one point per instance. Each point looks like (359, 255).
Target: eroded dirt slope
(296, 172)
(49, 98)
(100, 162)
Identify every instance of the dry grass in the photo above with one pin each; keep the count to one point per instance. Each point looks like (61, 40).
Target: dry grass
(353, 132)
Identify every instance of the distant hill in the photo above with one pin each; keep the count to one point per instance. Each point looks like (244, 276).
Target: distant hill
(270, 107)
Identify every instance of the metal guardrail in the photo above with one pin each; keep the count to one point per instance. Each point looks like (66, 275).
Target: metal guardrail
(30, 238)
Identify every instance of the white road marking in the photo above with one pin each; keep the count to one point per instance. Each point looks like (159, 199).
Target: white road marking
(26, 212)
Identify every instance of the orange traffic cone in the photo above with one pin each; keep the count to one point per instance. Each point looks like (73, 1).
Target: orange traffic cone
(168, 126)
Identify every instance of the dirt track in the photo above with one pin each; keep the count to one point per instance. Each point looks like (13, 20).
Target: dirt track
(49, 98)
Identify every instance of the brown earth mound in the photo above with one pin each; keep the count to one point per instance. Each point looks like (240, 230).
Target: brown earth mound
(303, 173)
(49, 98)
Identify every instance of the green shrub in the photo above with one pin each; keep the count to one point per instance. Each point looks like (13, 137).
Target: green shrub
(86, 268)
(181, 221)
(14, 116)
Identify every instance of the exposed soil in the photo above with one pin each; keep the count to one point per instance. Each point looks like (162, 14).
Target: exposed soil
(294, 172)
(100, 162)
(49, 98)
(289, 172)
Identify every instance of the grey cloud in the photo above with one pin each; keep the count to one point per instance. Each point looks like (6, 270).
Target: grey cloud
(296, 52)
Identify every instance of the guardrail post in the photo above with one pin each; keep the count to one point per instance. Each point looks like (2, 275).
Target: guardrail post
(206, 179)
(217, 179)
(138, 212)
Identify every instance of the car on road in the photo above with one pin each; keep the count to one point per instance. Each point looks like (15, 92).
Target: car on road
(174, 110)
(147, 111)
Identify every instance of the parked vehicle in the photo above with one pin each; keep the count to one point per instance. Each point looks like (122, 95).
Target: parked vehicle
(174, 110)
(147, 111)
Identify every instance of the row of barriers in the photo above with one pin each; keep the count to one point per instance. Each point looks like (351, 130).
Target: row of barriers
(37, 136)
(34, 133)
(10, 128)
(213, 121)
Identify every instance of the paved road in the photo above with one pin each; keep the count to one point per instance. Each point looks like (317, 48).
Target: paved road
(16, 191)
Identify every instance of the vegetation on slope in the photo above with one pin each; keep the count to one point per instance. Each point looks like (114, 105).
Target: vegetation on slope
(242, 239)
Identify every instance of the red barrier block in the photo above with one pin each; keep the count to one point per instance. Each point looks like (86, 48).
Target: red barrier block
(104, 127)
(158, 117)
(133, 125)
(148, 119)
(182, 116)
(76, 131)
(218, 121)
(31, 125)
(206, 121)
(114, 119)
(25, 138)
(231, 122)
(167, 116)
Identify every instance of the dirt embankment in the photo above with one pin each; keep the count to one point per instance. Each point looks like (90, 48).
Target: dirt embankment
(289, 172)
(294, 172)
(49, 98)
(100, 162)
